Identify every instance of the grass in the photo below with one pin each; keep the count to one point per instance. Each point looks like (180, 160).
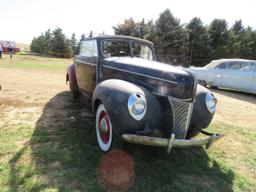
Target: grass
(34, 62)
(62, 155)
(59, 153)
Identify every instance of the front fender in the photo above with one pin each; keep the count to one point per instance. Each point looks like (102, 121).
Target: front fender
(114, 94)
(201, 117)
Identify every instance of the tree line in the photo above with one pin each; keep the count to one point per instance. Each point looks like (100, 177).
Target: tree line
(182, 44)
(193, 43)
(55, 43)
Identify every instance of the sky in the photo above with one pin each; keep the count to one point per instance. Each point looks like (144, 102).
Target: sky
(21, 20)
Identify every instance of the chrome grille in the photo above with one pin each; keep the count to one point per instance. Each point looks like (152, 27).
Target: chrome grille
(181, 117)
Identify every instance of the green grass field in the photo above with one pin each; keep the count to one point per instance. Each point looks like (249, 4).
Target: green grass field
(59, 152)
(34, 62)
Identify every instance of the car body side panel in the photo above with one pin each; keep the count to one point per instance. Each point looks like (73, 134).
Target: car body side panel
(213, 77)
(237, 79)
(217, 76)
(253, 86)
(86, 74)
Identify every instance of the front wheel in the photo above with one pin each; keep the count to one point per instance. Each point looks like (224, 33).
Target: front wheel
(104, 130)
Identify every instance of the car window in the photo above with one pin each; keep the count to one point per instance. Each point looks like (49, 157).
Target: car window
(113, 48)
(245, 66)
(234, 66)
(253, 65)
(221, 66)
(89, 49)
(142, 51)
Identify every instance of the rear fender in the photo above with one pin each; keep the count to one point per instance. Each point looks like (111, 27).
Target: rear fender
(71, 78)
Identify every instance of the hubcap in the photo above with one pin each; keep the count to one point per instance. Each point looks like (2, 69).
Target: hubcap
(104, 127)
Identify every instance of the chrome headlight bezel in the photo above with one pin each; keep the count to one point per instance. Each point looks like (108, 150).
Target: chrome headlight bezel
(210, 102)
(137, 106)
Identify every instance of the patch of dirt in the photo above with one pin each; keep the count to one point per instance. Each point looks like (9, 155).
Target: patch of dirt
(25, 92)
(236, 109)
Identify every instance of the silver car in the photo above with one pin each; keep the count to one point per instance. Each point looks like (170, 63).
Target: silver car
(235, 74)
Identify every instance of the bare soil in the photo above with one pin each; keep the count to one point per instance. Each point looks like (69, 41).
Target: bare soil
(236, 108)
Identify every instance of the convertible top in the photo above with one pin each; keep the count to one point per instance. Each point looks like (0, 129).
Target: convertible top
(121, 37)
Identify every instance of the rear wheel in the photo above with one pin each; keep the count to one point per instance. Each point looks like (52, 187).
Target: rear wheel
(202, 82)
(214, 87)
(74, 94)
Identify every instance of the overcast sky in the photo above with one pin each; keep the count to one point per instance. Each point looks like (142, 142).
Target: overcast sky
(21, 20)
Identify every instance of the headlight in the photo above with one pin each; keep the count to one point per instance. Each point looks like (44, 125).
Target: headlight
(210, 102)
(137, 106)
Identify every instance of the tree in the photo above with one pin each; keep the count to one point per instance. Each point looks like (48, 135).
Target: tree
(247, 40)
(80, 43)
(90, 34)
(238, 27)
(128, 28)
(60, 46)
(139, 29)
(37, 44)
(199, 49)
(253, 44)
(171, 39)
(219, 35)
(73, 43)
(47, 36)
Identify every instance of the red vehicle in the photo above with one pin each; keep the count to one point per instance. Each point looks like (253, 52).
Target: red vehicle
(9, 46)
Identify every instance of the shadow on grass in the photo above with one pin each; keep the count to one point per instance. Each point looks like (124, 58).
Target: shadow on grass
(66, 158)
(247, 97)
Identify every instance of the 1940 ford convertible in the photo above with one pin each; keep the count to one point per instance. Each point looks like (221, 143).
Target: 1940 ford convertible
(137, 99)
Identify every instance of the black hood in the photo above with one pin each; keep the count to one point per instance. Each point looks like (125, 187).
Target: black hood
(159, 78)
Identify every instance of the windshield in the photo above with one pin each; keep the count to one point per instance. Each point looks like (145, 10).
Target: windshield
(213, 64)
(116, 48)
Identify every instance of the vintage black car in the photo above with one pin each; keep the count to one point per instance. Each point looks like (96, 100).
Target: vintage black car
(137, 99)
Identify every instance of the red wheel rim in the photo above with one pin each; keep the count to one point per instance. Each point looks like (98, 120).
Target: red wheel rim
(104, 127)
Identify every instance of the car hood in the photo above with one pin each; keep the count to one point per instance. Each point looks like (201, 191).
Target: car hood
(160, 78)
(198, 69)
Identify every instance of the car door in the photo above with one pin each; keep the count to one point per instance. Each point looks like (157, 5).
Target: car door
(253, 86)
(238, 76)
(85, 66)
(216, 74)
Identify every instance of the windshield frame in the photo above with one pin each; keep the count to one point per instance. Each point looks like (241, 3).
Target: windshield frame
(130, 42)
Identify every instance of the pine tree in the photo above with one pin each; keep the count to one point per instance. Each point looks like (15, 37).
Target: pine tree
(47, 39)
(128, 28)
(90, 34)
(60, 46)
(80, 43)
(171, 39)
(219, 35)
(199, 43)
(73, 43)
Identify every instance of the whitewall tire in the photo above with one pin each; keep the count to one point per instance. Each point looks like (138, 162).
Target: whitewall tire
(104, 131)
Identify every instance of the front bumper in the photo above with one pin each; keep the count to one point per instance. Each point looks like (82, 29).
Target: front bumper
(171, 142)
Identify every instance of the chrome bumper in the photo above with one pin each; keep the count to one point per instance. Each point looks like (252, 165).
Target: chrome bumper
(172, 142)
